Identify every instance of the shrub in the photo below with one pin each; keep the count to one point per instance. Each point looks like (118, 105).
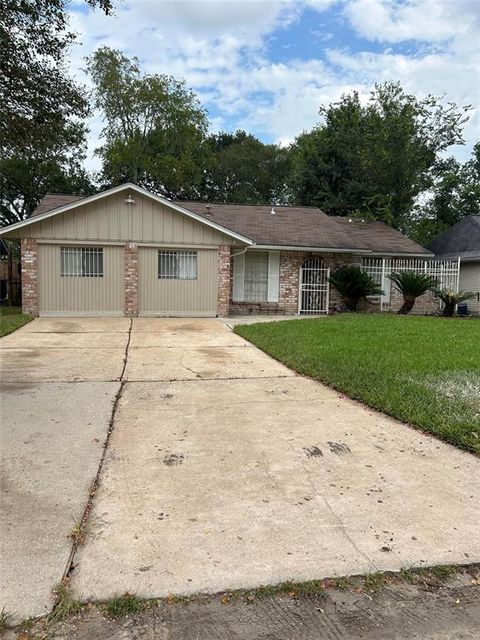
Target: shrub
(411, 285)
(451, 298)
(354, 284)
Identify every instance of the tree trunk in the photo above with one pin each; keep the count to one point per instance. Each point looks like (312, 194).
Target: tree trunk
(448, 309)
(351, 304)
(407, 306)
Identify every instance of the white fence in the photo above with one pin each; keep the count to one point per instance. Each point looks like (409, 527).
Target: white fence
(445, 272)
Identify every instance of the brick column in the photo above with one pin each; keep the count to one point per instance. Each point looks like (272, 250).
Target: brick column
(223, 305)
(29, 276)
(131, 280)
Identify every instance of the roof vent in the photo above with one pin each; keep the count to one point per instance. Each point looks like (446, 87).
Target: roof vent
(208, 210)
(273, 212)
(129, 200)
(350, 220)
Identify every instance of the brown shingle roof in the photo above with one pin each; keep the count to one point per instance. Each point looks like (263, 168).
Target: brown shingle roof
(305, 227)
(289, 227)
(53, 201)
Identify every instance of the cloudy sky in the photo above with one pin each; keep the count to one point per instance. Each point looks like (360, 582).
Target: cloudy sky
(266, 66)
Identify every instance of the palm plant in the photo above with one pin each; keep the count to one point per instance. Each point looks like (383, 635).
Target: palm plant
(411, 285)
(354, 284)
(451, 298)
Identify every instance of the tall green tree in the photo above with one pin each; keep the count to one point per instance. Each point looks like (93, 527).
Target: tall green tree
(455, 194)
(374, 158)
(42, 110)
(244, 169)
(155, 128)
(28, 177)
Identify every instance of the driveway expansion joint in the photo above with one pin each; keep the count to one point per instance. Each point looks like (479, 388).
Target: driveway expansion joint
(70, 565)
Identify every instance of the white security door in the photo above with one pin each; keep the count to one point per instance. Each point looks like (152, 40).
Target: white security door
(314, 287)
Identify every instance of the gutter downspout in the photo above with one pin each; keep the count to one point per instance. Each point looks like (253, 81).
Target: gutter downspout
(243, 251)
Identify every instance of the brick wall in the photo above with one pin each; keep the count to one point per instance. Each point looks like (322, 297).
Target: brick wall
(131, 280)
(290, 264)
(224, 262)
(29, 276)
(424, 305)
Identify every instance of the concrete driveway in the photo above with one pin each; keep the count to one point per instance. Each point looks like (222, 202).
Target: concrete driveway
(223, 470)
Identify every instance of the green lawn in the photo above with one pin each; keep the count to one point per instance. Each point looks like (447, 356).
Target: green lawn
(11, 319)
(424, 371)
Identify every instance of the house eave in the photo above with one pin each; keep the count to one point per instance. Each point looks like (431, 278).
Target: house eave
(399, 254)
(284, 247)
(360, 252)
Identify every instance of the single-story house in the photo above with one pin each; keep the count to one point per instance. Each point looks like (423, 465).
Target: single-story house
(128, 252)
(463, 241)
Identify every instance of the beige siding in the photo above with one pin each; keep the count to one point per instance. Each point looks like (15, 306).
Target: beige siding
(178, 297)
(80, 296)
(110, 219)
(470, 281)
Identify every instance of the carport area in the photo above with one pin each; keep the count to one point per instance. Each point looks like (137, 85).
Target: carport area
(223, 469)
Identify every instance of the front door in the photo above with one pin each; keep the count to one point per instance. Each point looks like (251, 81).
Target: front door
(314, 287)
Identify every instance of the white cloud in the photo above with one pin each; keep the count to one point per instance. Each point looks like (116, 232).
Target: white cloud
(221, 49)
(422, 20)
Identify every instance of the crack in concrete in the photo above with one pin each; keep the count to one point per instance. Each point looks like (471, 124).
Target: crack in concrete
(182, 364)
(96, 482)
(346, 534)
(340, 523)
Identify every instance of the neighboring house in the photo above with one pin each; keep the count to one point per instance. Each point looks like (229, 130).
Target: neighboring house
(128, 252)
(463, 241)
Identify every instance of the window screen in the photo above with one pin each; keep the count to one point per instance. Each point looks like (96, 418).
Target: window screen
(177, 265)
(81, 262)
(256, 276)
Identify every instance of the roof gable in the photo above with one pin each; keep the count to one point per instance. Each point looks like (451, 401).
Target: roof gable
(116, 190)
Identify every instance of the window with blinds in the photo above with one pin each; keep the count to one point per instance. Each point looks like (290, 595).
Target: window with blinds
(177, 265)
(81, 262)
(256, 276)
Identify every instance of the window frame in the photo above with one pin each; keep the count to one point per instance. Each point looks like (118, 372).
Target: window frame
(89, 262)
(172, 257)
(250, 257)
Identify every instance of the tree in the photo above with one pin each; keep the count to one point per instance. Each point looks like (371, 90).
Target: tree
(41, 109)
(354, 284)
(244, 169)
(28, 176)
(411, 285)
(34, 37)
(455, 194)
(326, 162)
(155, 131)
(374, 159)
